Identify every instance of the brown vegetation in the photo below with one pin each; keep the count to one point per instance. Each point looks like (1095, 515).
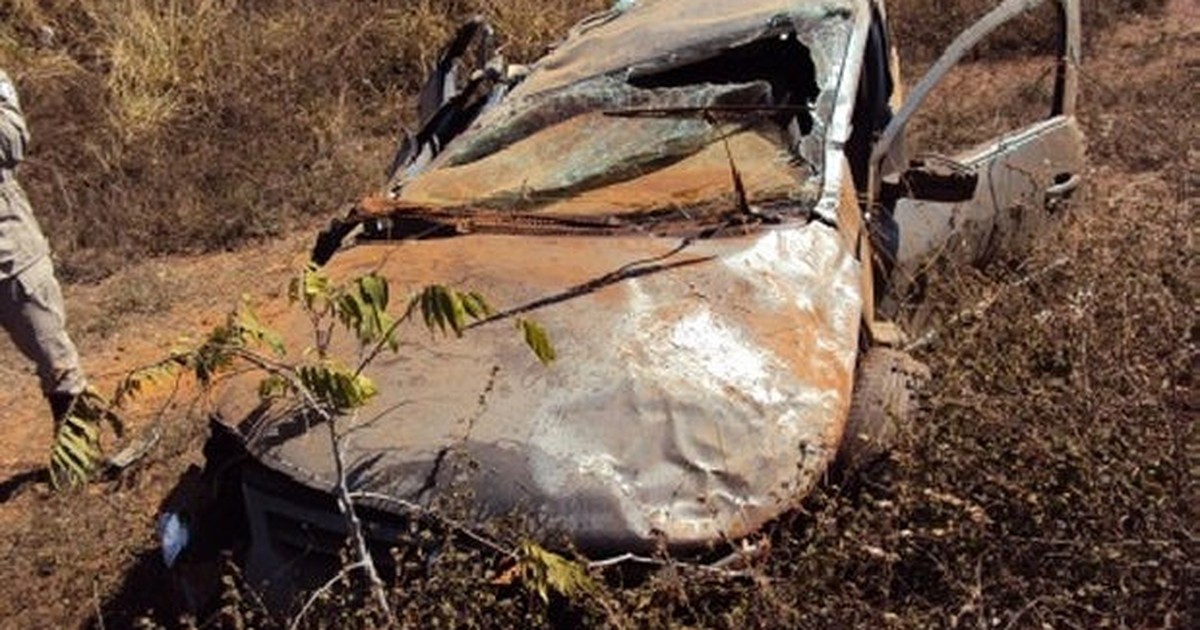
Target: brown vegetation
(1046, 484)
(926, 27)
(166, 126)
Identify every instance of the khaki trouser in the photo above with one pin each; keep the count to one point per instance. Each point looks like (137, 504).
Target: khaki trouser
(31, 310)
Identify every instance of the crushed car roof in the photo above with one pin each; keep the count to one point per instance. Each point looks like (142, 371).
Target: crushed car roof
(646, 110)
(654, 35)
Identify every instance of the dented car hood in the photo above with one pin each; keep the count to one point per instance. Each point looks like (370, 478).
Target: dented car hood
(694, 397)
(703, 380)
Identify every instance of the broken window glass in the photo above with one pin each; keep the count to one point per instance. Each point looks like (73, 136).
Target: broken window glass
(655, 135)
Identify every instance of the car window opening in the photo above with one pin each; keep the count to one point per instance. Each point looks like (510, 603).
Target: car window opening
(783, 62)
(933, 178)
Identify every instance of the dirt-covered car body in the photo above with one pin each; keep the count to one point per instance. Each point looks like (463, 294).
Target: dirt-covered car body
(702, 202)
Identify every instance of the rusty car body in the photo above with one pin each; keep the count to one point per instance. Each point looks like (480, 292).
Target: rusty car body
(711, 208)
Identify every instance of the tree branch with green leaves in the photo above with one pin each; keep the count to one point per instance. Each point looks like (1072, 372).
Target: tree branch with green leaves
(321, 385)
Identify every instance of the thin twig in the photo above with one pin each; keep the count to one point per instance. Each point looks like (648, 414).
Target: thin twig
(356, 527)
(344, 498)
(317, 594)
(625, 558)
(1012, 623)
(96, 601)
(455, 525)
(718, 568)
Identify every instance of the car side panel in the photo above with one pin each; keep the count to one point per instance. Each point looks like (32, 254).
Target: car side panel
(1023, 183)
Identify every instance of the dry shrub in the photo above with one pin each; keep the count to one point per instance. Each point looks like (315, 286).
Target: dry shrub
(157, 50)
(925, 27)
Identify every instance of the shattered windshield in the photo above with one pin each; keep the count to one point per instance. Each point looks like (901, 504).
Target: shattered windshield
(668, 131)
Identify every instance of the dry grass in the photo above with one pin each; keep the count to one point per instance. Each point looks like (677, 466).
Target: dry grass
(1014, 67)
(926, 27)
(157, 51)
(166, 126)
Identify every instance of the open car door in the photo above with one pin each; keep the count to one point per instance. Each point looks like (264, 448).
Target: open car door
(988, 201)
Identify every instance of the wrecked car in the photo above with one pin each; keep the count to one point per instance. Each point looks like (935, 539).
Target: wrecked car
(712, 209)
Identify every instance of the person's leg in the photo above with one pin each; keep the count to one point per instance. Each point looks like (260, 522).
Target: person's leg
(31, 310)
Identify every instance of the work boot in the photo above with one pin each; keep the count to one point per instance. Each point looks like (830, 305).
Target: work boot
(60, 405)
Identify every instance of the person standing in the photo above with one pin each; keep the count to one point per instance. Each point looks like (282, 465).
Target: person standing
(31, 304)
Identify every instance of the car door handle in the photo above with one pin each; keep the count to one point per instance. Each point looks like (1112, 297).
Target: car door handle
(1064, 184)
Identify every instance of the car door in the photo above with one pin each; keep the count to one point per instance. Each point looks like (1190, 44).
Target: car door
(992, 199)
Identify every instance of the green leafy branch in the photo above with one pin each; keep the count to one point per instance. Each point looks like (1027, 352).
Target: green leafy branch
(224, 344)
(360, 306)
(543, 572)
(330, 389)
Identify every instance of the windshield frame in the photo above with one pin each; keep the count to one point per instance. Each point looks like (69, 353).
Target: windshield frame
(834, 42)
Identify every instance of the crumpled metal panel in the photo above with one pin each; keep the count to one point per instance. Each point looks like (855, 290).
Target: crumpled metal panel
(695, 397)
(520, 118)
(554, 126)
(522, 172)
(1010, 208)
(655, 35)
